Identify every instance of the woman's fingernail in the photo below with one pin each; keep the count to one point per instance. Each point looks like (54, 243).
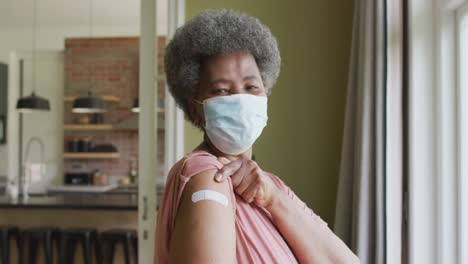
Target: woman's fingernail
(218, 176)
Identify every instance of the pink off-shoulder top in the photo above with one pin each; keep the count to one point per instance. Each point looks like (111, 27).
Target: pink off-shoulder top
(257, 238)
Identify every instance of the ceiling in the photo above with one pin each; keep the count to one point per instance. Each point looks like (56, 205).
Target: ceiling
(73, 13)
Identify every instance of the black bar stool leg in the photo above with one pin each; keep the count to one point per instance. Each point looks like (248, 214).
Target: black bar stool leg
(48, 249)
(70, 255)
(62, 246)
(21, 246)
(66, 250)
(5, 244)
(86, 244)
(32, 250)
(98, 249)
(110, 256)
(127, 246)
(105, 254)
(128, 239)
(135, 248)
(33, 237)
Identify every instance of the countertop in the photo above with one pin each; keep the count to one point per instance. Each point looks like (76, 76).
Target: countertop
(121, 198)
(86, 201)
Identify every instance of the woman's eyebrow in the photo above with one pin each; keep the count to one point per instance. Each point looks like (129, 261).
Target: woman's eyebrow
(250, 77)
(223, 81)
(219, 81)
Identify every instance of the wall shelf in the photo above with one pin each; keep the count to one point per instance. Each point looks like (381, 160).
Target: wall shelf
(91, 155)
(88, 127)
(106, 98)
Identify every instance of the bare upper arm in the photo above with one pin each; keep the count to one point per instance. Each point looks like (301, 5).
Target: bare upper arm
(204, 231)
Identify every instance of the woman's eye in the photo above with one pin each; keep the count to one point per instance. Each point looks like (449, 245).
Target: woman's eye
(251, 87)
(220, 91)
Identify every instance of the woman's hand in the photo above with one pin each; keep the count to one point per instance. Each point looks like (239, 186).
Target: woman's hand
(248, 181)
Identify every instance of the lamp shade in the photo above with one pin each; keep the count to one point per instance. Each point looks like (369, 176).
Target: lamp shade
(136, 105)
(88, 105)
(32, 103)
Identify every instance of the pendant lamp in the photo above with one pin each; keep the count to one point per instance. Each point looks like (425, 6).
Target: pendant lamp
(33, 102)
(89, 104)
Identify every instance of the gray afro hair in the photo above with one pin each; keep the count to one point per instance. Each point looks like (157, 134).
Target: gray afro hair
(215, 32)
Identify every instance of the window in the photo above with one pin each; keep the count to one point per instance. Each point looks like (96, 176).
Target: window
(438, 125)
(462, 91)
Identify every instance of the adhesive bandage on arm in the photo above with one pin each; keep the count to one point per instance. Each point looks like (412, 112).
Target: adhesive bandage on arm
(210, 195)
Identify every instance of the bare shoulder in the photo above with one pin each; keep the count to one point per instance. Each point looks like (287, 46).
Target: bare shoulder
(204, 228)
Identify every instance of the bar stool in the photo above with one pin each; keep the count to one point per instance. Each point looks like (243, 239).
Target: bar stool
(87, 237)
(6, 234)
(110, 238)
(34, 236)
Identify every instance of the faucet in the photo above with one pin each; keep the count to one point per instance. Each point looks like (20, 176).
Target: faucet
(24, 182)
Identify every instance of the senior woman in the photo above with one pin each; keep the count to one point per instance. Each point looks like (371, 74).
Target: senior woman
(219, 205)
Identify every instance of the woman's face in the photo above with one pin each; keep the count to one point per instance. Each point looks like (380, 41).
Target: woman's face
(227, 74)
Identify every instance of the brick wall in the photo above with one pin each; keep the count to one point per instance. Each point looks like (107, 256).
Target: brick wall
(109, 66)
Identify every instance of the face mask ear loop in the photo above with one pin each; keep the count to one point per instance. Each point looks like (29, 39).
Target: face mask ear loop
(195, 100)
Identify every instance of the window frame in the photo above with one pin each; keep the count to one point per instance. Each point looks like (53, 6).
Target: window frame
(434, 191)
(462, 129)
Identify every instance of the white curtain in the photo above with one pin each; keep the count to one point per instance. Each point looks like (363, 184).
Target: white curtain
(361, 204)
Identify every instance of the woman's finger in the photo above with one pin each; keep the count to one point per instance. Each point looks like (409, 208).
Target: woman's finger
(241, 178)
(259, 196)
(244, 177)
(228, 170)
(223, 160)
(251, 192)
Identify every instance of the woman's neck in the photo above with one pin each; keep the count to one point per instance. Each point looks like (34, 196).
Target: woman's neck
(207, 146)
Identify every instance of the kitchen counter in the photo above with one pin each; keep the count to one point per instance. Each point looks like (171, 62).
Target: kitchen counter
(121, 198)
(86, 201)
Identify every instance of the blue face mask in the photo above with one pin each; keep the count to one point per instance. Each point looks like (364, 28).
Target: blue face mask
(234, 122)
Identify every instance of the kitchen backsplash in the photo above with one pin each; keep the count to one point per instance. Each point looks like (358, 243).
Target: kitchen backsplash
(110, 66)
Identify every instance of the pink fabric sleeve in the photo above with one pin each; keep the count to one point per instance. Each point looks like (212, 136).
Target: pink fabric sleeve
(196, 164)
(179, 175)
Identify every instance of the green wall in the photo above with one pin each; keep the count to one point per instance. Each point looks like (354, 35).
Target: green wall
(302, 142)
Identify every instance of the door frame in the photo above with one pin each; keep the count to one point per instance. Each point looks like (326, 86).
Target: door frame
(147, 139)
